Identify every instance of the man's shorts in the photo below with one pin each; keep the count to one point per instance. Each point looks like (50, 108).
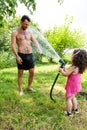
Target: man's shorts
(28, 61)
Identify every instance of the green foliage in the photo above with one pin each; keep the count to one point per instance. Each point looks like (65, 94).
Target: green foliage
(60, 1)
(35, 110)
(8, 8)
(63, 37)
(6, 60)
(5, 33)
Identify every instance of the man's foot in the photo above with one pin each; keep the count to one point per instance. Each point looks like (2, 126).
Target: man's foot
(21, 93)
(31, 89)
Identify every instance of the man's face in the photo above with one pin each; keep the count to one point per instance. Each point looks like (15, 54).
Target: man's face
(25, 24)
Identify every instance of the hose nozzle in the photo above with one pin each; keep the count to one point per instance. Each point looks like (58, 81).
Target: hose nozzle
(62, 63)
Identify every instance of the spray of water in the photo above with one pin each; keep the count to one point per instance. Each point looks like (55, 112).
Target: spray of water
(46, 47)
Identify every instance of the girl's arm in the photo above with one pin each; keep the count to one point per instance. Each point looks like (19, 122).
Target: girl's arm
(68, 71)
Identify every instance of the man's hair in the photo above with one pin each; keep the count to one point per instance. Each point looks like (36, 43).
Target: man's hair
(25, 17)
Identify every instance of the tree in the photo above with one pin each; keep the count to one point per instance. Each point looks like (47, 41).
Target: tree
(8, 8)
(63, 37)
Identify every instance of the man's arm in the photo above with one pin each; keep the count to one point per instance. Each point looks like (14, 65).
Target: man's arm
(13, 45)
(36, 44)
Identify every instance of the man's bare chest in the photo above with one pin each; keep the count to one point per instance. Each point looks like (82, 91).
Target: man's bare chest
(23, 36)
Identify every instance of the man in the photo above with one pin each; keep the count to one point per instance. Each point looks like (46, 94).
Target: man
(20, 39)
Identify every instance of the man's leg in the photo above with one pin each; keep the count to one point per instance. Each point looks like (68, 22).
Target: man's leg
(20, 74)
(30, 78)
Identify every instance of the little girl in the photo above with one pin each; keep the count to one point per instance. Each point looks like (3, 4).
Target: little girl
(73, 84)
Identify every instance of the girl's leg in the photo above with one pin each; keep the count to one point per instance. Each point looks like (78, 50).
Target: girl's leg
(75, 104)
(69, 104)
(74, 101)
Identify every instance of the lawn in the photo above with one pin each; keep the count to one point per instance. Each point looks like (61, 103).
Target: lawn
(35, 110)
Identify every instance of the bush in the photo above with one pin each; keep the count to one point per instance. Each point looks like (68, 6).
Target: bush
(7, 60)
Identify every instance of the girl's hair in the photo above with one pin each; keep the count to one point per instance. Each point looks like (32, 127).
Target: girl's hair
(80, 59)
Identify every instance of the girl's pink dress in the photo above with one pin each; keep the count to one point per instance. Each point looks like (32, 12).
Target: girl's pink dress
(73, 84)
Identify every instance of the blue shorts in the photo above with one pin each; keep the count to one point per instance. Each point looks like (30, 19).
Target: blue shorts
(28, 61)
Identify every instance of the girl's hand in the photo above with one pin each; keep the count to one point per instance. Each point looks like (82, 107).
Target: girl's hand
(60, 69)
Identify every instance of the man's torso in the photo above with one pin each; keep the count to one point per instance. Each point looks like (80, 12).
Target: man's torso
(23, 39)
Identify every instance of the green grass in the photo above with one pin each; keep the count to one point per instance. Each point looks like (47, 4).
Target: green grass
(35, 110)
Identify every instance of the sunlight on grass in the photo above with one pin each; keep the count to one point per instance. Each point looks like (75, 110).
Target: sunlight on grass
(14, 69)
(47, 68)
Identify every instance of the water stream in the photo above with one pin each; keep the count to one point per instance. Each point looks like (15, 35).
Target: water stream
(46, 47)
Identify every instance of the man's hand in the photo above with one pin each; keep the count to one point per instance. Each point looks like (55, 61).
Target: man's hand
(19, 60)
(40, 51)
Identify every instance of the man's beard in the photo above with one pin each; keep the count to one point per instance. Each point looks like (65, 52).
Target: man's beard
(24, 28)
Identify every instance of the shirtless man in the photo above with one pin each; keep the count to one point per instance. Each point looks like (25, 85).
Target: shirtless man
(20, 39)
